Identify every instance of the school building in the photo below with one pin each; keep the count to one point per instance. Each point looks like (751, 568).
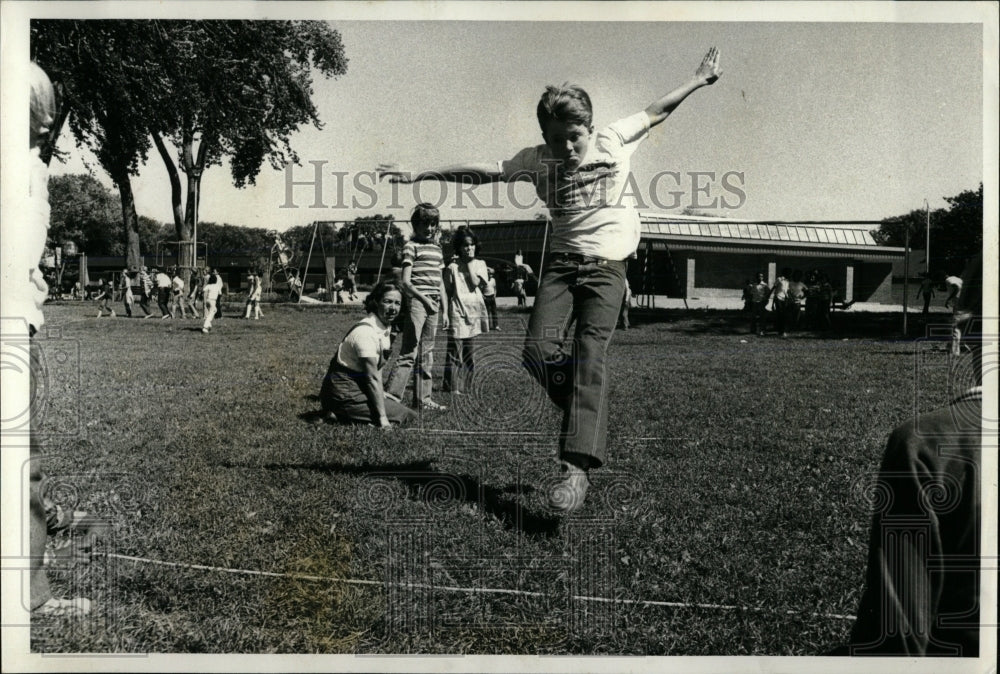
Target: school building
(687, 257)
(697, 258)
(693, 257)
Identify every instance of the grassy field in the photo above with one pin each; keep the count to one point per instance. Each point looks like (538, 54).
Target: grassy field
(732, 516)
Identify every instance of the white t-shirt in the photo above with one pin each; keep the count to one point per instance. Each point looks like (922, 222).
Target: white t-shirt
(592, 212)
(211, 291)
(780, 290)
(370, 340)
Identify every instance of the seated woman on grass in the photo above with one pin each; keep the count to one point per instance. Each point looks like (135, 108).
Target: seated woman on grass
(352, 389)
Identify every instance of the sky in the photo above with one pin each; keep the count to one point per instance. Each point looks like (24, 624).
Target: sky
(809, 121)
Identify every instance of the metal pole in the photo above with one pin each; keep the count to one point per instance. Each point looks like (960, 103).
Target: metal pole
(541, 263)
(927, 246)
(194, 235)
(196, 174)
(906, 275)
(385, 244)
(305, 273)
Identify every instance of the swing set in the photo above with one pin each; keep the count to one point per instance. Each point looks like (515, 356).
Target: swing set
(281, 254)
(329, 262)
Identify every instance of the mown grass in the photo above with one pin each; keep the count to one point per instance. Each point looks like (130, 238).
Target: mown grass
(737, 476)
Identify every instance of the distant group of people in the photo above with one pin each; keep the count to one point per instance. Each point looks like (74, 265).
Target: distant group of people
(952, 285)
(796, 299)
(167, 288)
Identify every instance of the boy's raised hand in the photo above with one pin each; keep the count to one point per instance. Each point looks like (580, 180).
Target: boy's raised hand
(709, 70)
(394, 173)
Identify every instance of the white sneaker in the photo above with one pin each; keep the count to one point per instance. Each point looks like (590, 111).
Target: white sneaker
(433, 406)
(570, 493)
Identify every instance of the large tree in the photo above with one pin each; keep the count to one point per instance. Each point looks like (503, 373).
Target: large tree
(956, 231)
(210, 89)
(101, 69)
(236, 90)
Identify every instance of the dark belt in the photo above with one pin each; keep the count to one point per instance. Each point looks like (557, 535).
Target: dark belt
(577, 258)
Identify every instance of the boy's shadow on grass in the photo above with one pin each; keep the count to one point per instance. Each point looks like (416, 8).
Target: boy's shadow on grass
(441, 490)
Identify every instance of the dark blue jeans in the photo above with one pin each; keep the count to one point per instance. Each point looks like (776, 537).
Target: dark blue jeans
(574, 370)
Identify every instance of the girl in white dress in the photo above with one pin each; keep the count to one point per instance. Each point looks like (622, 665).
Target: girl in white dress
(464, 280)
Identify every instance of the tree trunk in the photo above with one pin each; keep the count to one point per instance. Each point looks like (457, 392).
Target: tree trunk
(181, 225)
(175, 185)
(186, 254)
(130, 220)
(193, 168)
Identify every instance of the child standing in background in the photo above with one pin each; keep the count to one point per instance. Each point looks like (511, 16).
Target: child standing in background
(128, 299)
(107, 294)
(194, 292)
(255, 294)
(464, 279)
(251, 284)
(211, 290)
(490, 297)
(522, 296)
(424, 292)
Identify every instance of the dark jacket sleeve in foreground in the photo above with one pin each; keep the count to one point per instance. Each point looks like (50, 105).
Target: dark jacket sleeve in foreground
(922, 583)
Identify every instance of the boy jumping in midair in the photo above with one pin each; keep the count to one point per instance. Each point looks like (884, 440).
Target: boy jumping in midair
(581, 176)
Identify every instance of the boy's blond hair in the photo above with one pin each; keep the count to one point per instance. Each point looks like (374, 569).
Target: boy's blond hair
(566, 103)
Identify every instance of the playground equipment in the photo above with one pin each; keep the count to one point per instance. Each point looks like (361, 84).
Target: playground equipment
(355, 255)
(162, 248)
(280, 262)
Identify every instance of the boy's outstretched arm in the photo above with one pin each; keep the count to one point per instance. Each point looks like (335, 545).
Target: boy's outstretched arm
(708, 72)
(471, 173)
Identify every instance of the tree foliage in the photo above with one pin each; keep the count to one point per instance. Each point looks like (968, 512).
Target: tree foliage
(242, 87)
(95, 66)
(237, 89)
(223, 239)
(956, 231)
(212, 89)
(86, 212)
(373, 229)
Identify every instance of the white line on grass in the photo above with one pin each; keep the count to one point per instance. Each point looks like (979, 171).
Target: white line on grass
(477, 590)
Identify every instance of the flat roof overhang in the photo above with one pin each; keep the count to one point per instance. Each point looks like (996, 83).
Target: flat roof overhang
(764, 247)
